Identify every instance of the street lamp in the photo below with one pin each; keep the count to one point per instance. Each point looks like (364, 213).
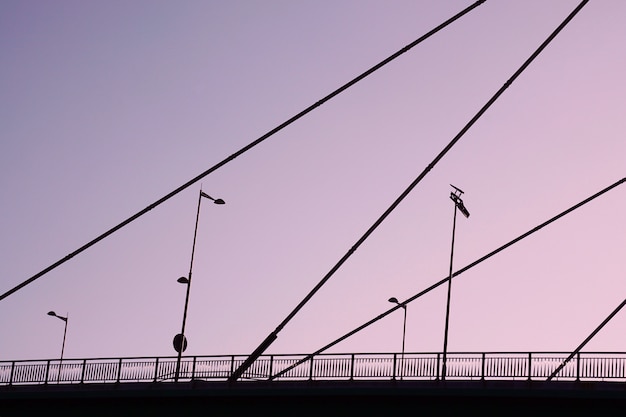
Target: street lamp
(53, 314)
(180, 341)
(395, 301)
(455, 196)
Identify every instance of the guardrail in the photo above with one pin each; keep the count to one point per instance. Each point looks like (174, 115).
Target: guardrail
(606, 366)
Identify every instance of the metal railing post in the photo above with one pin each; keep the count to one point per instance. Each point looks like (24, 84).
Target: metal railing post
(193, 368)
(352, 367)
(156, 370)
(311, 370)
(82, 372)
(438, 365)
(13, 370)
(530, 365)
(119, 370)
(578, 366)
(395, 355)
(482, 367)
(47, 371)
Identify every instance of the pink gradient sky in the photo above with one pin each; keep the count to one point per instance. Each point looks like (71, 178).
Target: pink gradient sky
(107, 106)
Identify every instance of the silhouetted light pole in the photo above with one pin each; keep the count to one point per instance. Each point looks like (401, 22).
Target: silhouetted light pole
(458, 205)
(180, 341)
(395, 301)
(53, 314)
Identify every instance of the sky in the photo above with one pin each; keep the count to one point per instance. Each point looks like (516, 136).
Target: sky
(108, 106)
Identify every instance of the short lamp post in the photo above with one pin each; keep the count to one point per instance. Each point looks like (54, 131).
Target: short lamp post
(455, 196)
(394, 300)
(53, 314)
(180, 341)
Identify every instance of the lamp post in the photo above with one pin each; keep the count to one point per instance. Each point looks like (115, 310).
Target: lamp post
(455, 196)
(395, 301)
(180, 341)
(53, 314)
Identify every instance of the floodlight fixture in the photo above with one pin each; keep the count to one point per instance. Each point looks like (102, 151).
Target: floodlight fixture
(458, 201)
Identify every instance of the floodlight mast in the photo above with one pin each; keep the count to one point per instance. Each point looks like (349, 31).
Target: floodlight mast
(458, 205)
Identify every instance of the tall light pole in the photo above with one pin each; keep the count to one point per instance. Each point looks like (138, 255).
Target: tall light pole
(455, 196)
(53, 314)
(180, 341)
(395, 301)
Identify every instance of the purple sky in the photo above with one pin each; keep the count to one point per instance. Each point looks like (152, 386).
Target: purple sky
(107, 106)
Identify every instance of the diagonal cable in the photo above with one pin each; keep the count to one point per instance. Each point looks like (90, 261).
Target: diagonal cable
(273, 335)
(459, 272)
(582, 345)
(242, 150)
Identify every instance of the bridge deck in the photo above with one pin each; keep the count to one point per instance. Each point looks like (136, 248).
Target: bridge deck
(308, 397)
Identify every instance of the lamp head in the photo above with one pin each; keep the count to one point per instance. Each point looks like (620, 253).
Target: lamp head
(395, 301)
(456, 197)
(53, 314)
(183, 280)
(215, 200)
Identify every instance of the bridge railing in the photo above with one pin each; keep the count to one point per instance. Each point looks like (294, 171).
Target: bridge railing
(608, 366)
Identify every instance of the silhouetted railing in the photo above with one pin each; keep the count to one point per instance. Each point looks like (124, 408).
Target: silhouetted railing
(609, 366)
